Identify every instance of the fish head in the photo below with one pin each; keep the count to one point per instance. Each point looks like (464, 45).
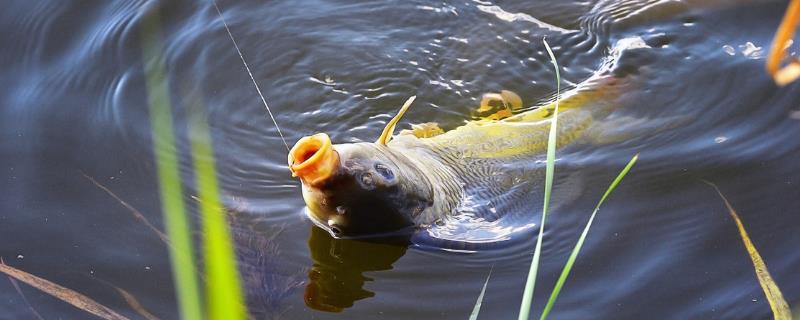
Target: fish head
(359, 189)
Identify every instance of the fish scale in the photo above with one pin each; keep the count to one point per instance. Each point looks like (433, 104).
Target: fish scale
(476, 183)
(493, 169)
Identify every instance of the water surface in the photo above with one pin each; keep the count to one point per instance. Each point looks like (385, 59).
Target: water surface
(73, 97)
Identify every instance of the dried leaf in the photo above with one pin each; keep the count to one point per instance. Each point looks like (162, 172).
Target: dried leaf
(783, 37)
(67, 295)
(780, 309)
(135, 304)
(138, 215)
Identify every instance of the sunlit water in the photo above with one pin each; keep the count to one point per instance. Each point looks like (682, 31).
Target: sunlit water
(74, 102)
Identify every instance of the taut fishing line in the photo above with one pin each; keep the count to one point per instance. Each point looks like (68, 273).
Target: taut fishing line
(225, 23)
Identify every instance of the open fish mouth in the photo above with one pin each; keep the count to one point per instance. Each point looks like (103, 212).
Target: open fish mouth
(313, 159)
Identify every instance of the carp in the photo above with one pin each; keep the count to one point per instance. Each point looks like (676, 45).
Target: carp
(420, 176)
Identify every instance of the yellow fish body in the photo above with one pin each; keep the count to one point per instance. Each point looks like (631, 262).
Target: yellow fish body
(419, 177)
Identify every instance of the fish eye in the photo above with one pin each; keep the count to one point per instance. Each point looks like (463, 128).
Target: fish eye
(384, 171)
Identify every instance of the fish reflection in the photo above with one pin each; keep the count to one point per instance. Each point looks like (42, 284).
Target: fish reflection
(336, 279)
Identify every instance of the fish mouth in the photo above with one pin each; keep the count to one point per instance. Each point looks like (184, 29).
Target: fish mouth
(313, 159)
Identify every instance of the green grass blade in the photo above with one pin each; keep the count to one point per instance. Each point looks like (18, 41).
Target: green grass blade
(577, 249)
(170, 188)
(780, 309)
(527, 296)
(223, 290)
(477, 309)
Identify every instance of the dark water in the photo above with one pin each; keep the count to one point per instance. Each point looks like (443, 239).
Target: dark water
(73, 100)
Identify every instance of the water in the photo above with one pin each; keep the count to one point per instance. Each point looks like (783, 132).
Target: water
(74, 102)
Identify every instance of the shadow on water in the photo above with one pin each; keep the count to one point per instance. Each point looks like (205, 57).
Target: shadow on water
(336, 280)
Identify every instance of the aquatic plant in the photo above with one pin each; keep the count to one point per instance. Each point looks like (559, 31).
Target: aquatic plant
(223, 290)
(574, 255)
(477, 309)
(223, 287)
(780, 309)
(169, 181)
(527, 296)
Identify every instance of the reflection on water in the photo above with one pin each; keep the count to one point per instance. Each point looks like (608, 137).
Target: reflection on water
(336, 279)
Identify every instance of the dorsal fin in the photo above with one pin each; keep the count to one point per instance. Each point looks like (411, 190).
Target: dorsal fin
(386, 135)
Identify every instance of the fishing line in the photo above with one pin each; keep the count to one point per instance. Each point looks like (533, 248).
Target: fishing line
(225, 23)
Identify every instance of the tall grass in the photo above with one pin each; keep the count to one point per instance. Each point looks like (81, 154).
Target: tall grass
(527, 296)
(223, 294)
(169, 182)
(223, 288)
(477, 309)
(574, 255)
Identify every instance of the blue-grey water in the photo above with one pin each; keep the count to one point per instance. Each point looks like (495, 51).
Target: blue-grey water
(73, 103)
